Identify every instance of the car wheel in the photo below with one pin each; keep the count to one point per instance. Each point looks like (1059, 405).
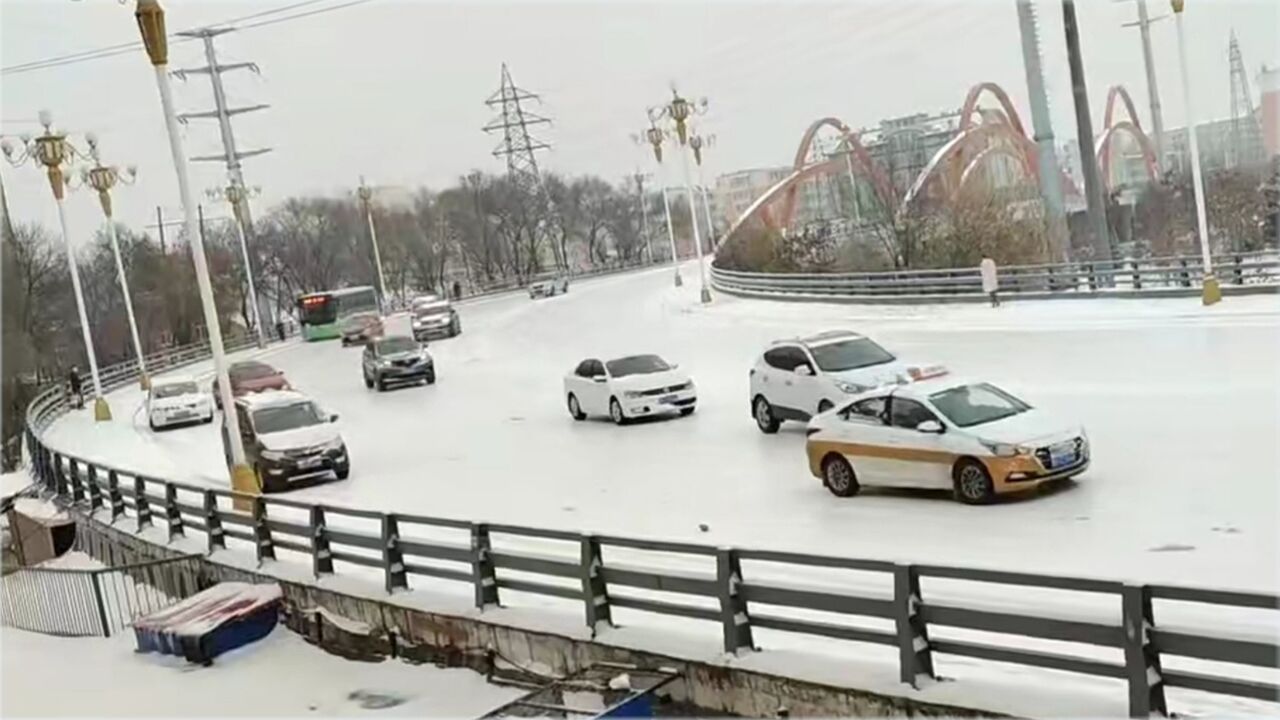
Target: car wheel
(208, 419)
(152, 423)
(765, 420)
(838, 476)
(575, 410)
(824, 405)
(368, 382)
(686, 412)
(972, 482)
(615, 412)
(343, 473)
(431, 377)
(380, 383)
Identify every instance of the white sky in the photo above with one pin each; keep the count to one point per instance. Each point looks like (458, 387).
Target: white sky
(394, 89)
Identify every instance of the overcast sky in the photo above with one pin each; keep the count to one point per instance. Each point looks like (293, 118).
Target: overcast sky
(395, 90)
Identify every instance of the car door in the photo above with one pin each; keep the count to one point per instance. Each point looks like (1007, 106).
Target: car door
(367, 361)
(594, 394)
(919, 459)
(861, 434)
(785, 389)
(247, 437)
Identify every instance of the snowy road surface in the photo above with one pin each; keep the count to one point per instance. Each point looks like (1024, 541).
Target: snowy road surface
(281, 676)
(1180, 403)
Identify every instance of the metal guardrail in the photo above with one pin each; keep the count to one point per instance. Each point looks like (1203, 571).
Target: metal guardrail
(494, 560)
(1236, 272)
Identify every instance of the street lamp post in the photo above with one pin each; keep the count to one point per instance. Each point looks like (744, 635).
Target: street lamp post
(51, 151)
(237, 196)
(150, 17)
(1210, 293)
(644, 214)
(654, 136)
(102, 178)
(680, 110)
(366, 196)
(697, 143)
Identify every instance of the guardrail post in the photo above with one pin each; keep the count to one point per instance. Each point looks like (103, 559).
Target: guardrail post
(483, 573)
(914, 656)
(97, 599)
(1186, 276)
(171, 512)
(140, 504)
(95, 492)
(1141, 659)
(1238, 272)
(77, 489)
(1093, 279)
(114, 496)
(264, 548)
(734, 619)
(321, 555)
(1137, 276)
(59, 477)
(213, 522)
(1053, 283)
(595, 592)
(392, 558)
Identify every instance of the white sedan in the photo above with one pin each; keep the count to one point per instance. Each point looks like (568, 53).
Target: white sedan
(972, 438)
(177, 401)
(627, 388)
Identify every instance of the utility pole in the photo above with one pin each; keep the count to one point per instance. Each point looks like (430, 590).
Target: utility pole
(520, 149)
(1143, 24)
(230, 155)
(160, 229)
(644, 214)
(1101, 240)
(1050, 179)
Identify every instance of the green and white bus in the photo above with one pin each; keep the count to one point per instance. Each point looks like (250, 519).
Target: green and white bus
(322, 313)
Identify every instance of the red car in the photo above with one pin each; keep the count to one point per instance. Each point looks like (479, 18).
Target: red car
(251, 376)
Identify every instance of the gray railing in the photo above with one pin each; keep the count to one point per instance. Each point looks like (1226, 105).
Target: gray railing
(496, 561)
(1147, 277)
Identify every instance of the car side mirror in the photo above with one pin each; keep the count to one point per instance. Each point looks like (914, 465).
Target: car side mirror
(804, 370)
(333, 417)
(931, 426)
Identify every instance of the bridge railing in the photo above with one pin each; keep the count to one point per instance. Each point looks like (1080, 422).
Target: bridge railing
(1236, 272)
(913, 610)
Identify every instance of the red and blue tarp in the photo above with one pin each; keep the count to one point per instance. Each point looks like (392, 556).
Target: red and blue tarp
(224, 617)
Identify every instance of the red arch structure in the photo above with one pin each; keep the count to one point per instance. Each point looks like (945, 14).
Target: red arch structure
(1128, 126)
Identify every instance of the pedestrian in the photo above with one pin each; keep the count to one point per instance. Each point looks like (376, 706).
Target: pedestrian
(990, 283)
(280, 328)
(457, 290)
(77, 393)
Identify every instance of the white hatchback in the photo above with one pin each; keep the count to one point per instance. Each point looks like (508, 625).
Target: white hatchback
(177, 401)
(797, 379)
(629, 387)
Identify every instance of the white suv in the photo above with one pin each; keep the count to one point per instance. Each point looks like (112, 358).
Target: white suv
(797, 379)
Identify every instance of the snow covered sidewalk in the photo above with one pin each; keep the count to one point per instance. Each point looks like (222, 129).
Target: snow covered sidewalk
(279, 676)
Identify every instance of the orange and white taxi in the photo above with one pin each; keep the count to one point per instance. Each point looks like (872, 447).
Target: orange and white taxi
(941, 433)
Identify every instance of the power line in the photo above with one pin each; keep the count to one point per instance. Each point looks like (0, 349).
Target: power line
(123, 48)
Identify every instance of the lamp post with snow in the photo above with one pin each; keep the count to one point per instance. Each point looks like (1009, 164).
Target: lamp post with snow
(52, 151)
(1210, 293)
(654, 136)
(103, 178)
(150, 18)
(680, 111)
(697, 144)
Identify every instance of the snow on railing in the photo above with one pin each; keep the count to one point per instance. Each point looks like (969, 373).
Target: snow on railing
(739, 589)
(1154, 277)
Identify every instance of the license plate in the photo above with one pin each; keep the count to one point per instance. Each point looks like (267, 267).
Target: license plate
(1063, 457)
(308, 463)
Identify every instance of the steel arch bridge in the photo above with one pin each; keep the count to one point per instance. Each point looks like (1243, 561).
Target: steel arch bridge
(983, 135)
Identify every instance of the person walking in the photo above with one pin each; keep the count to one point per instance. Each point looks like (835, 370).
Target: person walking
(990, 282)
(77, 391)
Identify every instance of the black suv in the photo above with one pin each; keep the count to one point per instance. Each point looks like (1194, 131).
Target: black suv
(288, 439)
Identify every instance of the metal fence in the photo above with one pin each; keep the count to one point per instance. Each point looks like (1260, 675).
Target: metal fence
(97, 601)
(1147, 277)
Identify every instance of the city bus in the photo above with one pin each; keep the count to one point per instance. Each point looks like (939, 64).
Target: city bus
(321, 313)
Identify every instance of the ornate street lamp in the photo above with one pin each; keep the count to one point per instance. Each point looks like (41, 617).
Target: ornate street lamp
(697, 144)
(52, 151)
(680, 110)
(103, 178)
(654, 136)
(366, 198)
(238, 196)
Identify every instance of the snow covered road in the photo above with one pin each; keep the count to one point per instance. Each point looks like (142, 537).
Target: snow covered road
(1180, 403)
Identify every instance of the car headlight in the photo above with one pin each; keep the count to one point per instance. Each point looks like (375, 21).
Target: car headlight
(851, 388)
(335, 444)
(632, 394)
(1005, 449)
(272, 455)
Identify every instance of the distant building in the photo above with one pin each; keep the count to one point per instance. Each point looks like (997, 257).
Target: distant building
(734, 192)
(1269, 111)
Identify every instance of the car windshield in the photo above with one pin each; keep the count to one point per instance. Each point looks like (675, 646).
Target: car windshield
(850, 355)
(279, 418)
(251, 371)
(970, 405)
(394, 345)
(636, 365)
(169, 390)
(435, 308)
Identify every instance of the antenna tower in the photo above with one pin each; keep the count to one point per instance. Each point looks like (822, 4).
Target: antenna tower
(1246, 136)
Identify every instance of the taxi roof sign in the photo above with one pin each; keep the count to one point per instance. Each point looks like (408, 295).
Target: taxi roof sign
(927, 372)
